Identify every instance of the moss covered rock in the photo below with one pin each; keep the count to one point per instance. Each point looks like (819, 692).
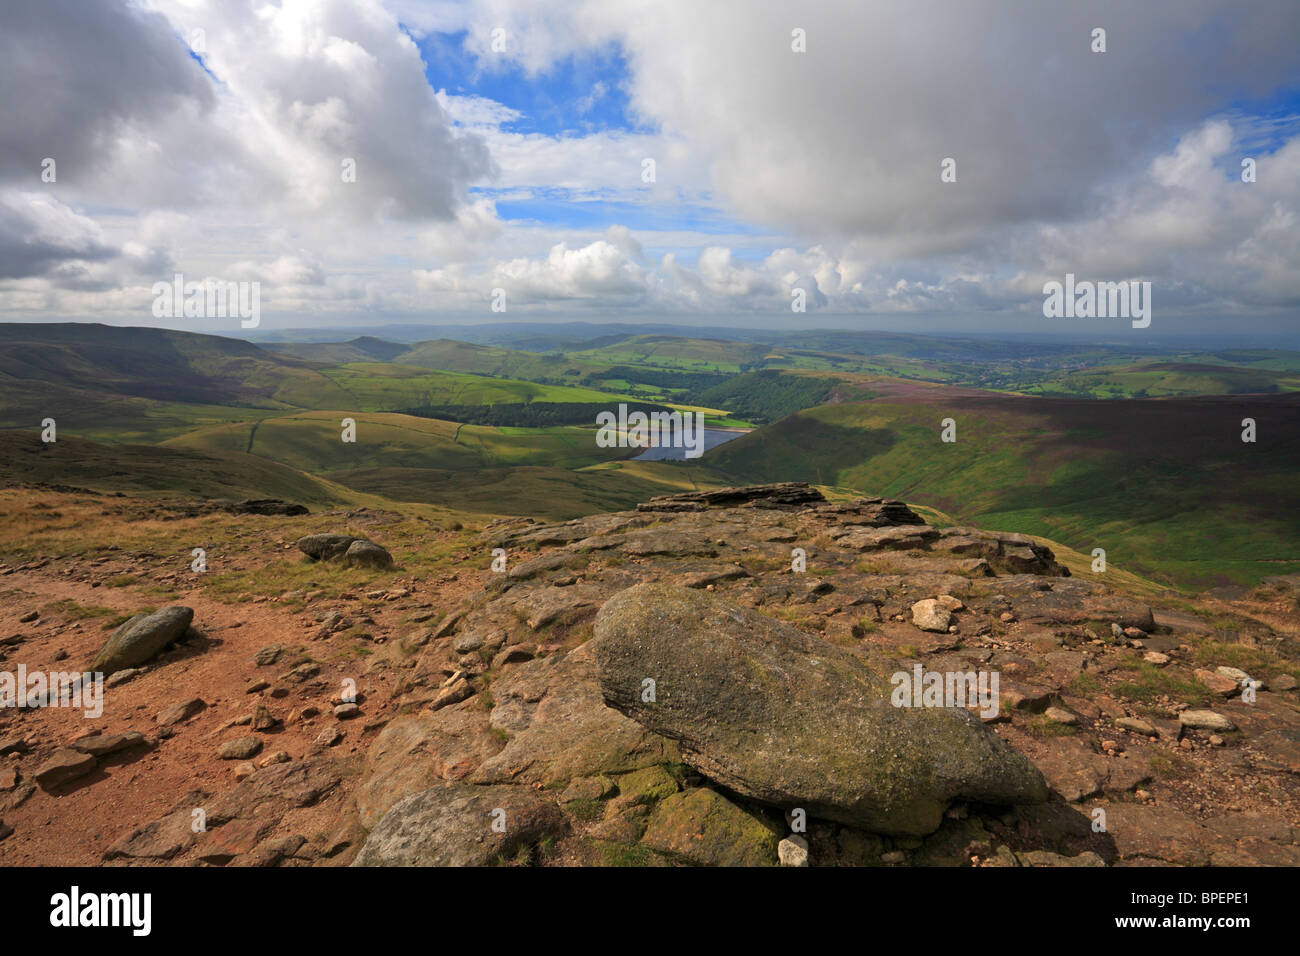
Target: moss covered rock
(704, 827)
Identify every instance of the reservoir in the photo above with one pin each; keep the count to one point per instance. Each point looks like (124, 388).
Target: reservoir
(713, 437)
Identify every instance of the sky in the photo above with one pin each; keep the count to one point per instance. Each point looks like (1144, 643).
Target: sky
(653, 160)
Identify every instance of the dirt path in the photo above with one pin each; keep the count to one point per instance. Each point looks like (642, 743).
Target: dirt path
(75, 823)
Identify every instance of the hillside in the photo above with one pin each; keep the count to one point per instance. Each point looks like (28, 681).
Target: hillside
(153, 470)
(156, 364)
(1166, 487)
(1163, 484)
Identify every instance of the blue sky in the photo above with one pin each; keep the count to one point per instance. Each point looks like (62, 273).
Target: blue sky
(580, 93)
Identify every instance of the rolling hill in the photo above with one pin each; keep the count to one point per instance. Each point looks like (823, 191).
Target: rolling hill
(1166, 487)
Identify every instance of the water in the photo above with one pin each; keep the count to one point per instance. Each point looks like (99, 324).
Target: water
(713, 437)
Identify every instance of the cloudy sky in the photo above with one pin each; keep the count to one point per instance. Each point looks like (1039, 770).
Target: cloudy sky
(625, 160)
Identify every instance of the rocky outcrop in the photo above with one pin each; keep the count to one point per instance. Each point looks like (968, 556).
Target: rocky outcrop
(322, 547)
(356, 552)
(267, 506)
(781, 494)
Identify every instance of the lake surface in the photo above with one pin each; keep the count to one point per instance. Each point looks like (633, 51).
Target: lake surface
(713, 437)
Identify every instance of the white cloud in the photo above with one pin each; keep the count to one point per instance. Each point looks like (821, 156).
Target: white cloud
(1115, 165)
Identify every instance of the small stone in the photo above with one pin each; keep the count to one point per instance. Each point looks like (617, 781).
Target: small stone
(893, 857)
(1006, 617)
(1156, 658)
(1059, 715)
(262, 719)
(1137, 725)
(257, 686)
(367, 554)
(179, 713)
(930, 615)
(63, 765)
(279, 756)
(1217, 683)
(453, 694)
(241, 748)
(301, 673)
(244, 770)
(29, 617)
(122, 676)
(268, 655)
(793, 851)
(469, 642)
(329, 737)
(347, 711)
(513, 655)
(1216, 740)
(102, 745)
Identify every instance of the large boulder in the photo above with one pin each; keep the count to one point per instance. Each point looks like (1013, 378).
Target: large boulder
(789, 720)
(322, 547)
(461, 825)
(138, 640)
(366, 554)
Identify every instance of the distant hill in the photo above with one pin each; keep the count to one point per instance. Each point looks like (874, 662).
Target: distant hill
(73, 372)
(1164, 379)
(366, 348)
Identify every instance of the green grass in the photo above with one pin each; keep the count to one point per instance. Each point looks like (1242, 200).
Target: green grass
(1148, 682)
(70, 610)
(378, 386)
(220, 473)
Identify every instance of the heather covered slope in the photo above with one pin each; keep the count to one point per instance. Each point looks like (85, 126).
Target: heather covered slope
(1167, 487)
